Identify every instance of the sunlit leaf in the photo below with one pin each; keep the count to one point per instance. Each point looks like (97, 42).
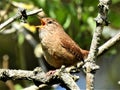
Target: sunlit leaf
(31, 28)
(67, 22)
(52, 13)
(21, 38)
(18, 87)
(91, 23)
(42, 2)
(23, 5)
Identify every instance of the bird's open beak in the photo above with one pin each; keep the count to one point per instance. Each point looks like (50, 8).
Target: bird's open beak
(42, 24)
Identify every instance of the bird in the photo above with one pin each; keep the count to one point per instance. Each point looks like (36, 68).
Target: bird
(58, 47)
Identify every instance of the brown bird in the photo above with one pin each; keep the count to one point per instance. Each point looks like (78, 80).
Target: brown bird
(58, 48)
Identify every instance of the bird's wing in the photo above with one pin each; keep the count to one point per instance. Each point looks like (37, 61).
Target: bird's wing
(72, 47)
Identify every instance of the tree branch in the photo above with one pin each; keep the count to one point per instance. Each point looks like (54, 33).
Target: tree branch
(39, 77)
(10, 20)
(108, 44)
(90, 66)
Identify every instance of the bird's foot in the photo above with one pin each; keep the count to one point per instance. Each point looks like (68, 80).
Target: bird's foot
(51, 72)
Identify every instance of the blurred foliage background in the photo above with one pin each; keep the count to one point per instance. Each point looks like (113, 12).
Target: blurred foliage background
(18, 41)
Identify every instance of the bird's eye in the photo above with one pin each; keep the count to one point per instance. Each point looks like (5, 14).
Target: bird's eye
(49, 22)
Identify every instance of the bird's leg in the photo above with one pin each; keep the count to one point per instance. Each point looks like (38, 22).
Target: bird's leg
(51, 72)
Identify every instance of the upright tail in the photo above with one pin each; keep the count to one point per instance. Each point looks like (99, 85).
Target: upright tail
(84, 53)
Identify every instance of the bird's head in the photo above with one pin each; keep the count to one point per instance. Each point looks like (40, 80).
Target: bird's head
(48, 22)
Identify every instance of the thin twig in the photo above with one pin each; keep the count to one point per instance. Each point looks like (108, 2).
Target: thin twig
(9, 83)
(108, 44)
(10, 20)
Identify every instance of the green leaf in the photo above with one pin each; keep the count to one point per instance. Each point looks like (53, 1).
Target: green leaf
(67, 22)
(91, 23)
(21, 38)
(114, 19)
(18, 87)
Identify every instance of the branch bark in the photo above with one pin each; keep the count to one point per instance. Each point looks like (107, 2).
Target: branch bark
(39, 77)
(108, 44)
(90, 66)
(12, 19)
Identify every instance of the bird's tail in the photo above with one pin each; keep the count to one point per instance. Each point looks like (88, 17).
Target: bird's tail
(84, 53)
